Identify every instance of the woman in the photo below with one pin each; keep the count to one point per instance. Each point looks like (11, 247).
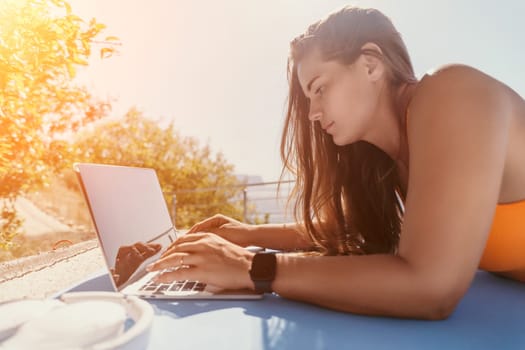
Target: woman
(404, 187)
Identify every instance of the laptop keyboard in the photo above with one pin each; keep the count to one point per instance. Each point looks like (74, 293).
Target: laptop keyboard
(175, 286)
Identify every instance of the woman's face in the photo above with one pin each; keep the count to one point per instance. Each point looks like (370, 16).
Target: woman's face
(343, 98)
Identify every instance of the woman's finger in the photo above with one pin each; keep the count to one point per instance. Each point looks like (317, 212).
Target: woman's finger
(189, 247)
(174, 260)
(195, 228)
(209, 223)
(202, 225)
(191, 238)
(185, 238)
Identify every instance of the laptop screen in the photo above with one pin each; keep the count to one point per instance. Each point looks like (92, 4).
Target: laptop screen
(130, 216)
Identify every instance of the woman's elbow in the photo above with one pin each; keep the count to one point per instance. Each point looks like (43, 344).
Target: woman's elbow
(439, 311)
(442, 303)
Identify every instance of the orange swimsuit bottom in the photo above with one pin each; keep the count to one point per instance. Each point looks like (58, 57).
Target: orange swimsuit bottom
(505, 248)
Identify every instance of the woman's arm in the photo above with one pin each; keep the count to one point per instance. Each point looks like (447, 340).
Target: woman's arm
(288, 236)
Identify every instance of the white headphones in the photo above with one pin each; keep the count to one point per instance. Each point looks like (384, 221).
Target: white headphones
(79, 320)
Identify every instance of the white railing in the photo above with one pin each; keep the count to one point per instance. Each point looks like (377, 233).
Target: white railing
(262, 201)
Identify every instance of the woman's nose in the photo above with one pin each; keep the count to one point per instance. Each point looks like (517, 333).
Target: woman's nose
(314, 114)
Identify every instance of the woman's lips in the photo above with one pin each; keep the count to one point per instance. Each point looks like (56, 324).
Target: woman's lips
(328, 126)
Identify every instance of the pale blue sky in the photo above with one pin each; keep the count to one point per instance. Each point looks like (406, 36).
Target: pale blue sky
(218, 68)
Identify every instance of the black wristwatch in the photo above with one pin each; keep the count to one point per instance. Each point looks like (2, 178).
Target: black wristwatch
(263, 270)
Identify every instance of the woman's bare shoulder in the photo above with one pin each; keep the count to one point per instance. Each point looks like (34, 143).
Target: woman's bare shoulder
(457, 86)
(456, 72)
(454, 76)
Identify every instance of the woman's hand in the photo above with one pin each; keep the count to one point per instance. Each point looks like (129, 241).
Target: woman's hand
(208, 258)
(226, 227)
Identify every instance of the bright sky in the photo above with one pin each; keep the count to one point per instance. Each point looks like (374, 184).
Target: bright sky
(218, 68)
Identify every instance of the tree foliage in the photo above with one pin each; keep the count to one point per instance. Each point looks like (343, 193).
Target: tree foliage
(183, 166)
(41, 44)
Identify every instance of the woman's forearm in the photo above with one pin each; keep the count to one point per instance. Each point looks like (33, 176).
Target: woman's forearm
(280, 236)
(384, 285)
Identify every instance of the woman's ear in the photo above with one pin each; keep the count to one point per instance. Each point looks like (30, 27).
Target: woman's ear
(372, 59)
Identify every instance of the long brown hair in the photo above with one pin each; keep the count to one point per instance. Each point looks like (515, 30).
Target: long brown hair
(346, 196)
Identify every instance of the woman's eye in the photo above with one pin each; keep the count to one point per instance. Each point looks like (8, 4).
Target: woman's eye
(319, 91)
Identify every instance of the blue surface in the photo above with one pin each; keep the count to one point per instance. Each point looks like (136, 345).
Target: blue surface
(490, 316)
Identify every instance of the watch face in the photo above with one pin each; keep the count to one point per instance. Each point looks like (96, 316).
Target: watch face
(263, 267)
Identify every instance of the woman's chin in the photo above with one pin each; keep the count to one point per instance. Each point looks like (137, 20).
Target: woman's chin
(340, 141)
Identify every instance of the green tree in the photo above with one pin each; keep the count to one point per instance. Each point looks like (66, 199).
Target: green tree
(41, 44)
(204, 183)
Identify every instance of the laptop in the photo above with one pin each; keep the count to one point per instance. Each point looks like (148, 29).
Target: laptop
(134, 228)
